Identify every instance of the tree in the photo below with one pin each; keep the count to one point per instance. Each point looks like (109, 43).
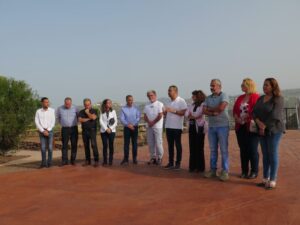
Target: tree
(18, 104)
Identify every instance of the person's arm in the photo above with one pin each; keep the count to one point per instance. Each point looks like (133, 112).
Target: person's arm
(112, 127)
(138, 115)
(123, 118)
(91, 116)
(52, 123)
(37, 122)
(102, 123)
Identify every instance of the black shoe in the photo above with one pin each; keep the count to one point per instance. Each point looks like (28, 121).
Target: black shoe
(42, 166)
(177, 167)
(73, 163)
(124, 162)
(135, 162)
(104, 163)
(169, 166)
(110, 163)
(86, 163)
(49, 165)
(252, 176)
(152, 161)
(262, 184)
(96, 164)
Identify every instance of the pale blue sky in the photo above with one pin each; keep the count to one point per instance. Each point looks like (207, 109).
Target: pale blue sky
(100, 49)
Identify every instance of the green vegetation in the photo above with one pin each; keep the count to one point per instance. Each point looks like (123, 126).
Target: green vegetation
(18, 104)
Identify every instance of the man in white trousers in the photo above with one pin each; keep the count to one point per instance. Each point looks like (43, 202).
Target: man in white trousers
(153, 116)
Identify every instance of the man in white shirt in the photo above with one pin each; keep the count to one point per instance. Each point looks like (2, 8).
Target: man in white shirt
(174, 112)
(45, 122)
(153, 116)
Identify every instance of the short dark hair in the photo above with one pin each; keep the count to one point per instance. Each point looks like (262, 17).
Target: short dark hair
(43, 99)
(129, 96)
(174, 87)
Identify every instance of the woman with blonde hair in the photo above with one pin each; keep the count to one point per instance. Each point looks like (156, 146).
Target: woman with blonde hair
(268, 115)
(247, 140)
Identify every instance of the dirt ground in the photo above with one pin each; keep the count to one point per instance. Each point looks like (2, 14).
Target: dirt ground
(142, 194)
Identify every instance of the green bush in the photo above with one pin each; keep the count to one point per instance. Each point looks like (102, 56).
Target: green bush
(18, 104)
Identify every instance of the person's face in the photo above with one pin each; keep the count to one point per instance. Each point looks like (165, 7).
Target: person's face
(215, 88)
(108, 105)
(45, 104)
(87, 105)
(172, 92)
(129, 101)
(194, 98)
(267, 88)
(244, 87)
(152, 97)
(68, 104)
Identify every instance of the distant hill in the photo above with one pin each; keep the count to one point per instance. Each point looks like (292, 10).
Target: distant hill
(291, 93)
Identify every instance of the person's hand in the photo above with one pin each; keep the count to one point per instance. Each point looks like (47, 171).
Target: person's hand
(150, 123)
(168, 109)
(87, 111)
(46, 133)
(130, 126)
(108, 130)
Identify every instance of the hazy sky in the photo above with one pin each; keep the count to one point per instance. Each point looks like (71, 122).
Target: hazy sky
(100, 49)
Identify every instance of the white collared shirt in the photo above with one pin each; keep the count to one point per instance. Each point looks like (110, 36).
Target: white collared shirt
(45, 119)
(173, 120)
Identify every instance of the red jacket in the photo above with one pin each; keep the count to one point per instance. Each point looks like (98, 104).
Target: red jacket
(236, 108)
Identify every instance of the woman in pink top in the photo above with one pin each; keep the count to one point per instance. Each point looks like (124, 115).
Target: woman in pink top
(196, 121)
(248, 141)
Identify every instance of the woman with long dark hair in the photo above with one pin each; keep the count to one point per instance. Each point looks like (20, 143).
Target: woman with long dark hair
(108, 123)
(196, 121)
(268, 115)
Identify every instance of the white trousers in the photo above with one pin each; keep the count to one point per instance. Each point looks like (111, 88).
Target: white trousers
(155, 142)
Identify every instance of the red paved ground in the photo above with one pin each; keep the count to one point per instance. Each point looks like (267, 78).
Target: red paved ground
(141, 195)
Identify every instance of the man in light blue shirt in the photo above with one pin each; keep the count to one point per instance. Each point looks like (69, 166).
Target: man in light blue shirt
(130, 118)
(67, 116)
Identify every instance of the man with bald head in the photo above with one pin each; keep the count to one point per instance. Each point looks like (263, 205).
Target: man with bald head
(216, 108)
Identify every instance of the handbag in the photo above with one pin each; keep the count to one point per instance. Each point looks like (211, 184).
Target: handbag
(253, 127)
(111, 122)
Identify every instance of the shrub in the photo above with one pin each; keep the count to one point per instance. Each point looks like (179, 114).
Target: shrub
(18, 104)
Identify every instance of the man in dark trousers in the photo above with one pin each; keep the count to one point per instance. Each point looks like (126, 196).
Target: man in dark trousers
(88, 117)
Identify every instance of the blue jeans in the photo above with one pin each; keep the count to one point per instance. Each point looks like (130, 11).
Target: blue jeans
(46, 143)
(269, 146)
(218, 136)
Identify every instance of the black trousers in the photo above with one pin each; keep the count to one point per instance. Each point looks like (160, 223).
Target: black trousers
(89, 139)
(248, 144)
(69, 133)
(174, 138)
(108, 141)
(196, 143)
(133, 136)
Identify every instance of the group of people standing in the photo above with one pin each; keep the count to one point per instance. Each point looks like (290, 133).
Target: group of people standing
(257, 119)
